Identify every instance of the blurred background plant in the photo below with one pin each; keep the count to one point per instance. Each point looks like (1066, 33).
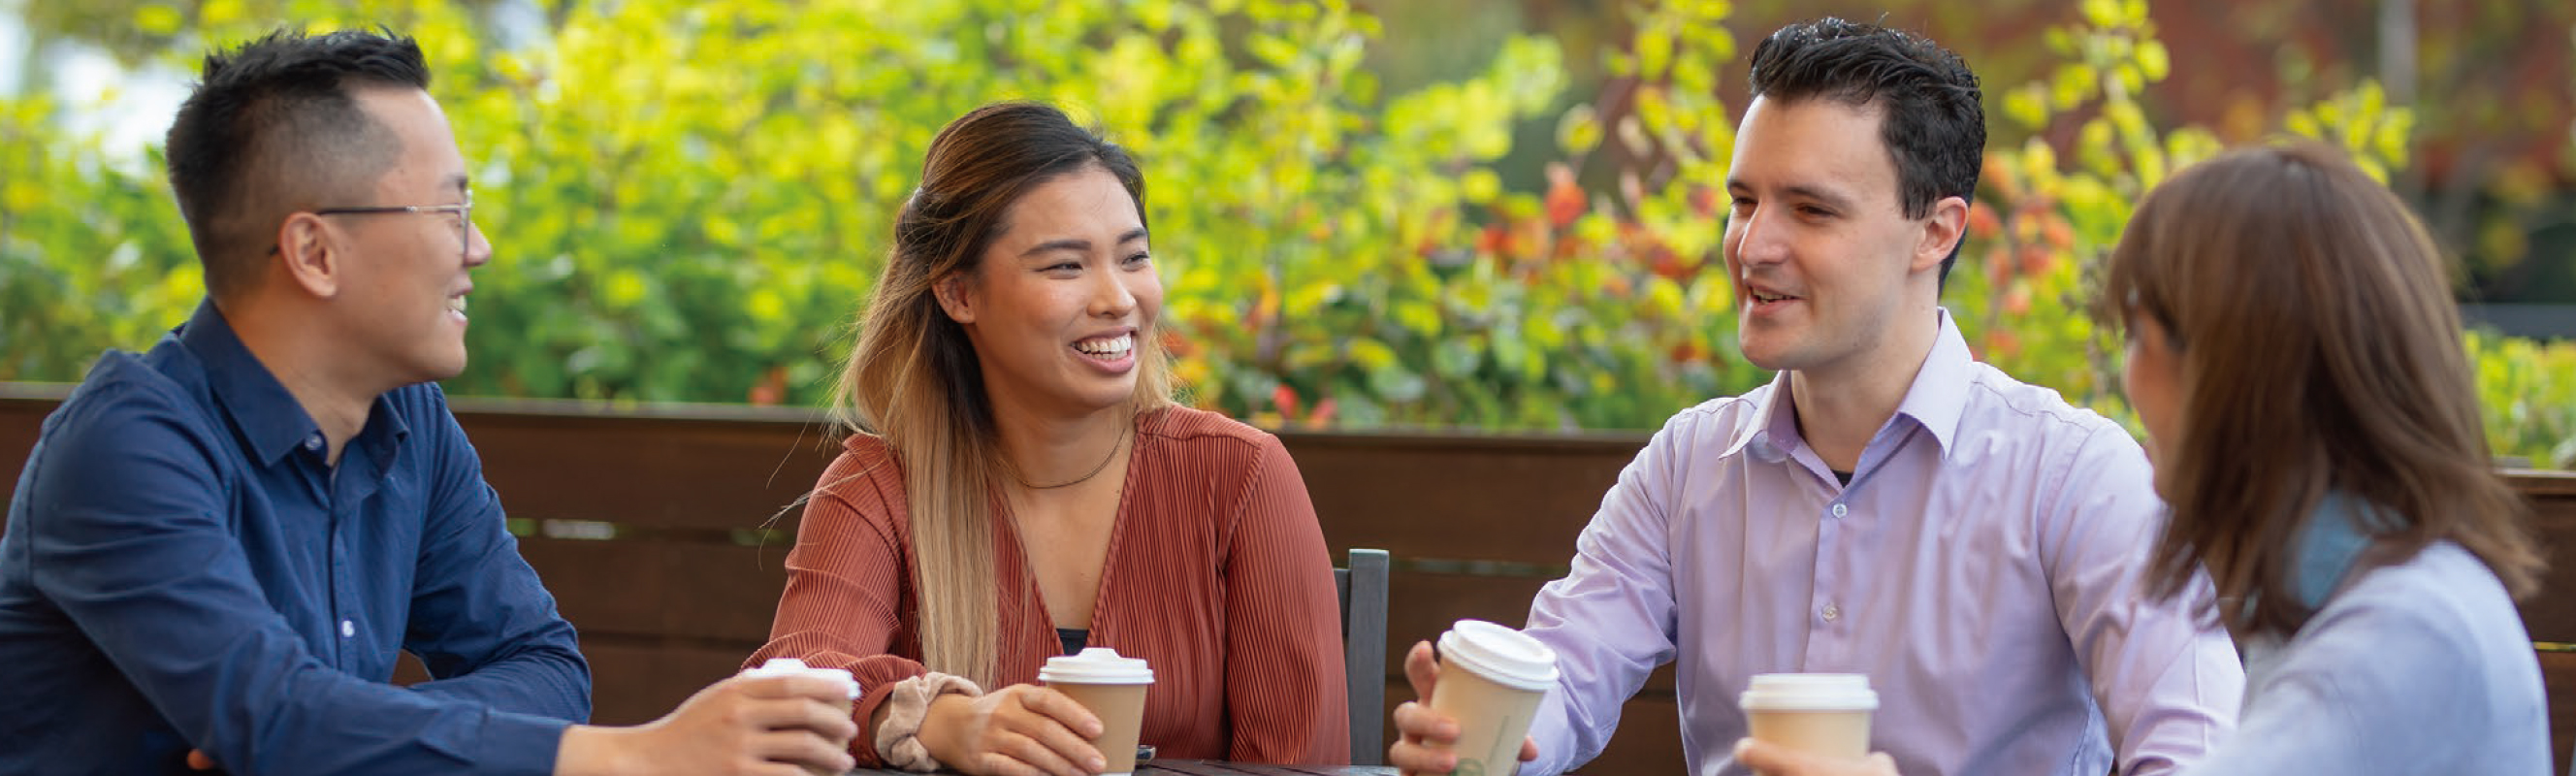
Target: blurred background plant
(1451, 223)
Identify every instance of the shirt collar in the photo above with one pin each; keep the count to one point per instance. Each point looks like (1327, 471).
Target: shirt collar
(2332, 539)
(1936, 400)
(1767, 437)
(1939, 395)
(260, 406)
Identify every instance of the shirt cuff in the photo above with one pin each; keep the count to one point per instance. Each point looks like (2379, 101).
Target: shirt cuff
(518, 744)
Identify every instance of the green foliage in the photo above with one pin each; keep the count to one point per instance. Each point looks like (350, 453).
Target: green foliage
(689, 201)
(2052, 221)
(2528, 391)
(90, 256)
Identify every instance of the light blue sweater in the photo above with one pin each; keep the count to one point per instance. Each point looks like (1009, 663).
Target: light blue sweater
(2417, 668)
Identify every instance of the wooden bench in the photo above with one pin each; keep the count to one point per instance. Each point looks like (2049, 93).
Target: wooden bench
(653, 528)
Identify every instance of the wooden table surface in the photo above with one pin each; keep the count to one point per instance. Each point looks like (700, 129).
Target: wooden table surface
(1214, 768)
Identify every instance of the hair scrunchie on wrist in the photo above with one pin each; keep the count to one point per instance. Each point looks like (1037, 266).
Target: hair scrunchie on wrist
(899, 738)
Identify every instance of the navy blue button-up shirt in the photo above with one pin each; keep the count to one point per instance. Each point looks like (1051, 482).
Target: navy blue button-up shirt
(182, 568)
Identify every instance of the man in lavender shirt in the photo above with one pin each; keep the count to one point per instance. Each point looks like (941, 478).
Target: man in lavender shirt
(1888, 505)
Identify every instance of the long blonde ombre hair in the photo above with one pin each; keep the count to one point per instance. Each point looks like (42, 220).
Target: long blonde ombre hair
(2320, 353)
(913, 379)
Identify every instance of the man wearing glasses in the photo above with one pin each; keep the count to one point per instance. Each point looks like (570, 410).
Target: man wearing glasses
(219, 546)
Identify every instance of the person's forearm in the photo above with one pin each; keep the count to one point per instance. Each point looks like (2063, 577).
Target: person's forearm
(545, 682)
(868, 733)
(590, 750)
(938, 722)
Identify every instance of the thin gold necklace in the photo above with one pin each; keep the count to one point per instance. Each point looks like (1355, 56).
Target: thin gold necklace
(1095, 471)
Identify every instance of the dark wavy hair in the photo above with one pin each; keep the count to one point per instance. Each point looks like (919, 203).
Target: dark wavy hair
(1929, 114)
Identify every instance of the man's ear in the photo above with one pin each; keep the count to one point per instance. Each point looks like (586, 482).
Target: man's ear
(1941, 233)
(951, 291)
(309, 255)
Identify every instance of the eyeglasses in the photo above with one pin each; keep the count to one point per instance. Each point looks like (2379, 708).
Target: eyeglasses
(464, 217)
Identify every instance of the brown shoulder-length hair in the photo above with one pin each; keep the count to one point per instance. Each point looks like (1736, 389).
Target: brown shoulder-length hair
(913, 379)
(2320, 352)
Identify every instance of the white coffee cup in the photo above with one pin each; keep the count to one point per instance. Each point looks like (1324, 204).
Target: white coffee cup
(788, 666)
(1113, 688)
(1492, 679)
(1826, 714)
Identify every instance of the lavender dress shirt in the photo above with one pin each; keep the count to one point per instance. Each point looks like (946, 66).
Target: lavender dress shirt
(1983, 568)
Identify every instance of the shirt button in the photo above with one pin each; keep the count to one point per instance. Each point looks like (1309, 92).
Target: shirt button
(1832, 611)
(349, 629)
(1840, 510)
(313, 442)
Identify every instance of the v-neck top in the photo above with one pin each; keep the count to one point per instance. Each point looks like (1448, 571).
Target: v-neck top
(1216, 574)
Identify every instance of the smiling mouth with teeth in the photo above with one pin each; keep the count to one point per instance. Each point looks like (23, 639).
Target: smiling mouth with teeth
(1759, 297)
(1107, 349)
(456, 304)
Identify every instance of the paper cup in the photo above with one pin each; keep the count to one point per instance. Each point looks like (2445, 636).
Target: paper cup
(1113, 688)
(1492, 679)
(1826, 714)
(788, 666)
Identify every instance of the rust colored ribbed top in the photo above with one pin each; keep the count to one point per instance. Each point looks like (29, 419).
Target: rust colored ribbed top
(1217, 575)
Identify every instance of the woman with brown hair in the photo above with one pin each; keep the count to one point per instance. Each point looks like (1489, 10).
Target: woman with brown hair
(1019, 484)
(2295, 355)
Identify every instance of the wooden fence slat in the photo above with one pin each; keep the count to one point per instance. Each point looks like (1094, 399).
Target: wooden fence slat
(634, 683)
(2558, 677)
(657, 588)
(1517, 503)
(711, 475)
(21, 421)
(2550, 615)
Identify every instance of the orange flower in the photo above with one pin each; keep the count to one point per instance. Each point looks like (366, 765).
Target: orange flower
(2001, 342)
(2017, 300)
(1982, 221)
(2036, 259)
(2059, 234)
(1687, 353)
(772, 388)
(1565, 200)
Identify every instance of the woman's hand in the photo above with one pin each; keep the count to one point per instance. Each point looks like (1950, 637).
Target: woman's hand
(1020, 730)
(1775, 760)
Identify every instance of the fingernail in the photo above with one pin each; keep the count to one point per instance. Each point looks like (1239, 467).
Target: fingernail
(1740, 745)
(1095, 765)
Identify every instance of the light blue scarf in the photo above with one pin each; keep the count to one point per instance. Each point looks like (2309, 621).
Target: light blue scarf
(2331, 541)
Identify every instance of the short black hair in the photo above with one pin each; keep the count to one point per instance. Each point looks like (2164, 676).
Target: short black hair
(1930, 115)
(272, 126)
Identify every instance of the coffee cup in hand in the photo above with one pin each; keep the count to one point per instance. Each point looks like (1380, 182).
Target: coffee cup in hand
(788, 666)
(1824, 714)
(1113, 688)
(1492, 679)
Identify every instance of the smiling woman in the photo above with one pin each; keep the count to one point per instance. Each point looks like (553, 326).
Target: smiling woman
(1019, 484)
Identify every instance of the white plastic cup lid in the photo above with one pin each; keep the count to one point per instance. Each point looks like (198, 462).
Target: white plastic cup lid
(1810, 692)
(788, 666)
(1509, 657)
(1096, 665)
